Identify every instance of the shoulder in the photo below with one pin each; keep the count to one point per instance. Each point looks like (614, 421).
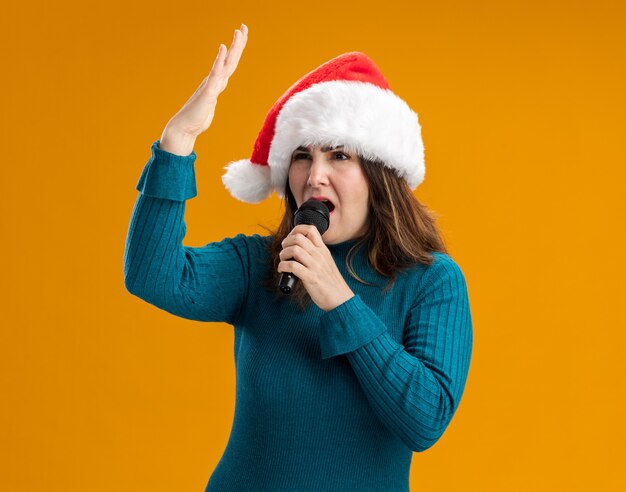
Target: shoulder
(443, 262)
(442, 277)
(444, 274)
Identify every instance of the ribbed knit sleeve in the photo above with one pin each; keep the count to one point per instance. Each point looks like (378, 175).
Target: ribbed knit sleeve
(168, 175)
(208, 283)
(414, 388)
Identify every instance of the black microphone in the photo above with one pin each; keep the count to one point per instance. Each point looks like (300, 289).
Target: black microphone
(311, 212)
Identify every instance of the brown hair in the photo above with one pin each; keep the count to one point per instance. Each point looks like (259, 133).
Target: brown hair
(401, 230)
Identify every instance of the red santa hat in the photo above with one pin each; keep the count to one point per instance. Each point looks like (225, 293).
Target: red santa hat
(345, 101)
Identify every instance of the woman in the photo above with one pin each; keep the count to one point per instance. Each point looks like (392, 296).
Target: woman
(367, 361)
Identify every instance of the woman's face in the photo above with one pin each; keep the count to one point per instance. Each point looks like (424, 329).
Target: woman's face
(337, 176)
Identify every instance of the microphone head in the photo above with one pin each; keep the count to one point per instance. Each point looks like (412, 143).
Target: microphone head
(313, 212)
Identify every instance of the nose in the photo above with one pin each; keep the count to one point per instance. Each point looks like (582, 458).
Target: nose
(318, 172)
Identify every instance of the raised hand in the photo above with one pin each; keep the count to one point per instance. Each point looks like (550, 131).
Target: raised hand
(197, 113)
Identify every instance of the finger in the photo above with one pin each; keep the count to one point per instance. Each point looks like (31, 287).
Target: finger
(310, 231)
(244, 31)
(297, 253)
(234, 45)
(294, 267)
(297, 234)
(234, 54)
(303, 242)
(305, 229)
(218, 63)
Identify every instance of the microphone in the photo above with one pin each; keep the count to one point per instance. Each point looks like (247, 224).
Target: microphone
(311, 212)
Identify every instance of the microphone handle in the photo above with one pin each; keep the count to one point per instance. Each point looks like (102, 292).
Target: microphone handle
(287, 282)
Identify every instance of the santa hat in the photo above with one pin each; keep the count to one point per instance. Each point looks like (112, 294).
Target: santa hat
(345, 101)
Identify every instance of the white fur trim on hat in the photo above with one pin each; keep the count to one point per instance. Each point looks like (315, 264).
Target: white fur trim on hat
(247, 182)
(365, 118)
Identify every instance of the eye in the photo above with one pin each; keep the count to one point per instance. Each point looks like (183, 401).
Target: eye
(341, 156)
(299, 156)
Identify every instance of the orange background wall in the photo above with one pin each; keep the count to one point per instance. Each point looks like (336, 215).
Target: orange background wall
(523, 112)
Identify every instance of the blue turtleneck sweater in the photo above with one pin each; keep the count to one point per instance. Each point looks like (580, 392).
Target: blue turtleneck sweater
(325, 401)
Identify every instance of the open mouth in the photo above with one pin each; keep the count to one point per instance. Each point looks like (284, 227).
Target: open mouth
(329, 204)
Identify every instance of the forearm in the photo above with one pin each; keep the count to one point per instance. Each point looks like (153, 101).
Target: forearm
(415, 386)
(413, 399)
(176, 142)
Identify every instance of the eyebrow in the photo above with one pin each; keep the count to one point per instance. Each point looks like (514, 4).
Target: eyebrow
(324, 149)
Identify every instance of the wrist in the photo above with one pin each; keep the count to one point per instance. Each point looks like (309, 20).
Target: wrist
(341, 300)
(176, 142)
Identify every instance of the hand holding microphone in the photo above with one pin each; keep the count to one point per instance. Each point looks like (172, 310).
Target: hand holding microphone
(311, 212)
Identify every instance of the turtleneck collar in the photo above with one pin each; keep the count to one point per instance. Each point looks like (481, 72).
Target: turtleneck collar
(343, 247)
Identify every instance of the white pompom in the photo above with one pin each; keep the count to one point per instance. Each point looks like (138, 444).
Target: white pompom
(247, 182)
